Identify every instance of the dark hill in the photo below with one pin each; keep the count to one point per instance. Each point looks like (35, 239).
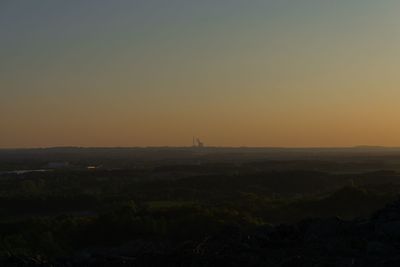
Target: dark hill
(313, 242)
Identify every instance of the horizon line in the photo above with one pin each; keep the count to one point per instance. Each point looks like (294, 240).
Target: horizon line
(206, 147)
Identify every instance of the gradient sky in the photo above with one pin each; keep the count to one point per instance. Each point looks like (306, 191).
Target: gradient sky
(235, 73)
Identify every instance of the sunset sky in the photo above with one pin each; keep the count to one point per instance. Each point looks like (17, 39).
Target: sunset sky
(293, 73)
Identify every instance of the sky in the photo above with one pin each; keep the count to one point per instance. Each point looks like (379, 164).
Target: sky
(287, 73)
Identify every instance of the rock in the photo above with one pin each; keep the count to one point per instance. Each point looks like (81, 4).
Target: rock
(380, 248)
(390, 229)
(324, 228)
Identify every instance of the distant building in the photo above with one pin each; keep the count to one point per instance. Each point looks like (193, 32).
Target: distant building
(92, 167)
(197, 143)
(58, 165)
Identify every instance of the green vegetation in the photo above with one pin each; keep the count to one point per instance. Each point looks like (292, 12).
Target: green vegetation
(60, 213)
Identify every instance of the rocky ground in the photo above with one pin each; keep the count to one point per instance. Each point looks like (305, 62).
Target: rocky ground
(313, 242)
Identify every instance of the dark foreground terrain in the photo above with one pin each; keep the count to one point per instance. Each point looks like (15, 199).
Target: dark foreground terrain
(313, 242)
(200, 207)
